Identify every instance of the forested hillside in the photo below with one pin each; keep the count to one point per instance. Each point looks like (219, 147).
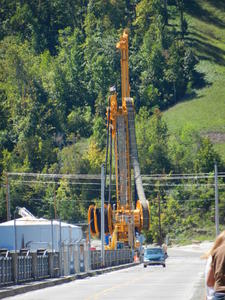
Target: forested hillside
(57, 62)
(204, 107)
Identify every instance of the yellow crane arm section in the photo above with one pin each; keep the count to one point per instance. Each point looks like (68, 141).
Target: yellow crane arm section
(125, 85)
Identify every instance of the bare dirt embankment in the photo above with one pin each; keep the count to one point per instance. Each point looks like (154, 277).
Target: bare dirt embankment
(215, 137)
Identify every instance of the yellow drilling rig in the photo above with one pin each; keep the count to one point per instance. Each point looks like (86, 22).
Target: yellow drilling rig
(128, 216)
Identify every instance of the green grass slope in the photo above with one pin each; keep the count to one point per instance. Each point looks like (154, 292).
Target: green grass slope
(205, 109)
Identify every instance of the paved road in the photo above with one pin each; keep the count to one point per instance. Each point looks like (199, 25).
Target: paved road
(178, 281)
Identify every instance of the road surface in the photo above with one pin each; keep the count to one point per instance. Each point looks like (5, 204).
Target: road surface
(180, 280)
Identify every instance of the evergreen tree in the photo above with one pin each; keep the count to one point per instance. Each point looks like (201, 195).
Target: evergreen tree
(152, 139)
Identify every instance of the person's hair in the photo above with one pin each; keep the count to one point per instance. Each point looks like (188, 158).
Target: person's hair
(220, 239)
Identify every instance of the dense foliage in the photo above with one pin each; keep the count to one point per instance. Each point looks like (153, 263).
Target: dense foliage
(57, 62)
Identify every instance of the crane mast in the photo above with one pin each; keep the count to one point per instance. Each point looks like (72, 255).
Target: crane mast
(122, 222)
(120, 131)
(125, 86)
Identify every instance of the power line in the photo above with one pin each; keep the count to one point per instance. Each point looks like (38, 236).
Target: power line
(63, 199)
(94, 200)
(98, 184)
(146, 177)
(55, 176)
(184, 184)
(53, 182)
(144, 184)
(98, 177)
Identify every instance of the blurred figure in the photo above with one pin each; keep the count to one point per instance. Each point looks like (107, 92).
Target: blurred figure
(164, 247)
(209, 290)
(215, 275)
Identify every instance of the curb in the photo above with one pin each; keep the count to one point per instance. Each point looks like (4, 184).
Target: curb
(9, 291)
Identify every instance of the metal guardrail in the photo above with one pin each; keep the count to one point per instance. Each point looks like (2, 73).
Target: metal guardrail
(56, 264)
(26, 266)
(112, 258)
(6, 274)
(42, 264)
(95, 259)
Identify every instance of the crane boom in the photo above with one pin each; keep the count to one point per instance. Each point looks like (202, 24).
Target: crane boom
(124, 61)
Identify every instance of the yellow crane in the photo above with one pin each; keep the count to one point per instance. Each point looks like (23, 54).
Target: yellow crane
(128, 216)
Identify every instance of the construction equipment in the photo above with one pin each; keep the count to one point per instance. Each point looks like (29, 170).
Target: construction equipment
(129, 216)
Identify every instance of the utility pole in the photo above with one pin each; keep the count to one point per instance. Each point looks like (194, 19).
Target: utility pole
(61, 269)
(216, 202)
(102, 215)
(52, 235)
(110, 163)
(89, 245)
(159, 216)
(55, 206)
(15, 229)
(8, 198)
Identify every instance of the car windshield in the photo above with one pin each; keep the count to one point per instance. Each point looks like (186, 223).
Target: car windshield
(153, 251)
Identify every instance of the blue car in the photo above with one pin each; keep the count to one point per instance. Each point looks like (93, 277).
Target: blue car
(154, 256)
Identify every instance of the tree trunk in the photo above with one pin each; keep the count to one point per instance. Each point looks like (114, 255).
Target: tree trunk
(182, 19)
(180, 5)
(166, 12)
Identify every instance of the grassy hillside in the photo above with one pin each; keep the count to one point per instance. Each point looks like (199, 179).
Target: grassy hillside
(205, 107)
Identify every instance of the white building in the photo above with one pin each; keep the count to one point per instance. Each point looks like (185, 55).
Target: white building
(33, 233)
